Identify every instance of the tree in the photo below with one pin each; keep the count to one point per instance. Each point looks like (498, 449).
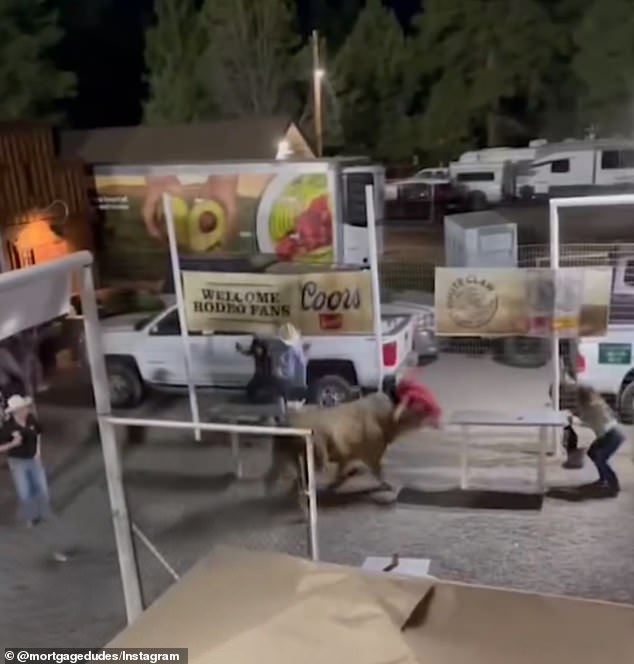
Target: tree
(174, 46)
(373, 82)
(478, 56)
(556, 114)
(604, 65)
(248, 65)
(31, 86)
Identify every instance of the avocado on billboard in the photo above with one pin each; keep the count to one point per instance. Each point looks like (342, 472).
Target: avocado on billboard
(285, 212)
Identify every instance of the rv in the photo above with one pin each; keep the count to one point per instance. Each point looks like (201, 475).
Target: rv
(574, 168)
(503, 154)
(487, 177)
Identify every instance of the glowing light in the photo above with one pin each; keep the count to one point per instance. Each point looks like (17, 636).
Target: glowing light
(284, 149)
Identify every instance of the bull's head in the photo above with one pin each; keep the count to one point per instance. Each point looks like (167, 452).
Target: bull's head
(416, 407)
(408, 415)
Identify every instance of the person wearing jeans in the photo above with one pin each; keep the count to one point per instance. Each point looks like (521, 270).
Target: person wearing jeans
(594, 413)
(21, 441)
(290, 363)
(22, 432)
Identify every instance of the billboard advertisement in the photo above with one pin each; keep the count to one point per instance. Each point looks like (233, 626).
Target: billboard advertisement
(283, 212)
(522, 302)
(324, 303)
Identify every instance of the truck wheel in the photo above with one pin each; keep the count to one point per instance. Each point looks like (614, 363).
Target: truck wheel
(524, 352)
(626, 404)
(331, 391)
(125, 385)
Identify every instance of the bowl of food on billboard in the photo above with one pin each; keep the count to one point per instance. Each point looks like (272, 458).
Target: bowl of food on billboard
(294, 219)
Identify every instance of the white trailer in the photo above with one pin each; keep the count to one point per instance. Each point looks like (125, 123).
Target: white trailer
(577, 168)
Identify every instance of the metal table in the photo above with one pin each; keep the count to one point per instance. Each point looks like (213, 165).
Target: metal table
(543, 420)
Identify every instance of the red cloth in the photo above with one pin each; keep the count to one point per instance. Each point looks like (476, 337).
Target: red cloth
(419, 396)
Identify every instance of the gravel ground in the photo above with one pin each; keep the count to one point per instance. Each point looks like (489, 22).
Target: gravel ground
(182, 495)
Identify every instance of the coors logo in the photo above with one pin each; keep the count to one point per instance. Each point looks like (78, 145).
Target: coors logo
(329, 305)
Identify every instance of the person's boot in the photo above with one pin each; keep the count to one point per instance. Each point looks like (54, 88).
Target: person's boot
(575, 459)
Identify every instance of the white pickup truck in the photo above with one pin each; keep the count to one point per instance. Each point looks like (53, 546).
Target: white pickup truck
(607, 363)
(144, 352)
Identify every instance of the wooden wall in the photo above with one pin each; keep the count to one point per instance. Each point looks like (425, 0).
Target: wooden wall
(31, 179)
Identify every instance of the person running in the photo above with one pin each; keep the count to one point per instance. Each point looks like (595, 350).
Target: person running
(595, 413)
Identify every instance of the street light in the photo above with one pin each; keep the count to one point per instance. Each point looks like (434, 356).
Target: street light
(318, 75)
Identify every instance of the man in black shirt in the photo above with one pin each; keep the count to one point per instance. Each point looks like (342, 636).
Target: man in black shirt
(21, 441)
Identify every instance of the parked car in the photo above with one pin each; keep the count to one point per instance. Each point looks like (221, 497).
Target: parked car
(145, 352)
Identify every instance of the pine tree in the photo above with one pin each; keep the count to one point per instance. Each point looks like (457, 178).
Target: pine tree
(248, 64)
(31, 86)
(604, 66)
(477, 55)
(174, 45)
(374, 83)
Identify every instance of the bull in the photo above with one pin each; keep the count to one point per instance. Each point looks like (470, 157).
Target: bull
(354, 435)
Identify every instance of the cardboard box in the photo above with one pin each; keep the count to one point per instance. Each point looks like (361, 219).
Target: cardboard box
(239, 607)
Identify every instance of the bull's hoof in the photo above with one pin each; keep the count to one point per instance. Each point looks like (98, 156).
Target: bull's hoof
(386, 495)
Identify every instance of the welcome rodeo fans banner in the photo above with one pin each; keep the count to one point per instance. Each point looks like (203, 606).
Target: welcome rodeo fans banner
(317, 303)
(522, 301)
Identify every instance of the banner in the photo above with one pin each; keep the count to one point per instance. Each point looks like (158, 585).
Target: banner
(522, 302)
(276, 211)
(325, 303)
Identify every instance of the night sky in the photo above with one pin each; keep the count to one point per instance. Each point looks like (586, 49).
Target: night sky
(104, 46)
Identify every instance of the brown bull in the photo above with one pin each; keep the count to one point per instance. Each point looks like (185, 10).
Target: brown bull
(351, 435)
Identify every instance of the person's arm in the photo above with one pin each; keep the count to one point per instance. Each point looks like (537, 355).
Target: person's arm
(285, 365)
(15, 441)
(241, 349)
(37, 427)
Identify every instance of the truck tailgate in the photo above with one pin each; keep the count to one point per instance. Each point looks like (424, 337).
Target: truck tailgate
(398, 341)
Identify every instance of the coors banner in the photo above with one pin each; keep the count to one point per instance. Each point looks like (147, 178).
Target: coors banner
(519, 302)
(317, 304)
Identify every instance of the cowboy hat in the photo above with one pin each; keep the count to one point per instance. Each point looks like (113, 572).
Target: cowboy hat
(289, 334)
(17, 402)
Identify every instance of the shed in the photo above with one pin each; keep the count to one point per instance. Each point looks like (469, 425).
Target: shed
(230, 140)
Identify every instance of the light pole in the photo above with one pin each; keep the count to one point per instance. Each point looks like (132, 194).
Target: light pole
(318, 75)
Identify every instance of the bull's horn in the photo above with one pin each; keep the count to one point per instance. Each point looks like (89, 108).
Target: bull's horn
(399, 410)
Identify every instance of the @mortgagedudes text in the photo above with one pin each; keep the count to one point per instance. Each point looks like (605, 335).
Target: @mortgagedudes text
(76, 655)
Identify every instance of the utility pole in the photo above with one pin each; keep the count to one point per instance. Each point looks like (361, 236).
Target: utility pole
(318, 74)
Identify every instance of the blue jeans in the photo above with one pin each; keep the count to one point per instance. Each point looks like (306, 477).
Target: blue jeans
(600, 452)
(29, 478)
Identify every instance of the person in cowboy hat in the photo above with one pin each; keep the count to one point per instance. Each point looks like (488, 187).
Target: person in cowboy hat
(21, 441)
(289, 365)
(21, 434)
